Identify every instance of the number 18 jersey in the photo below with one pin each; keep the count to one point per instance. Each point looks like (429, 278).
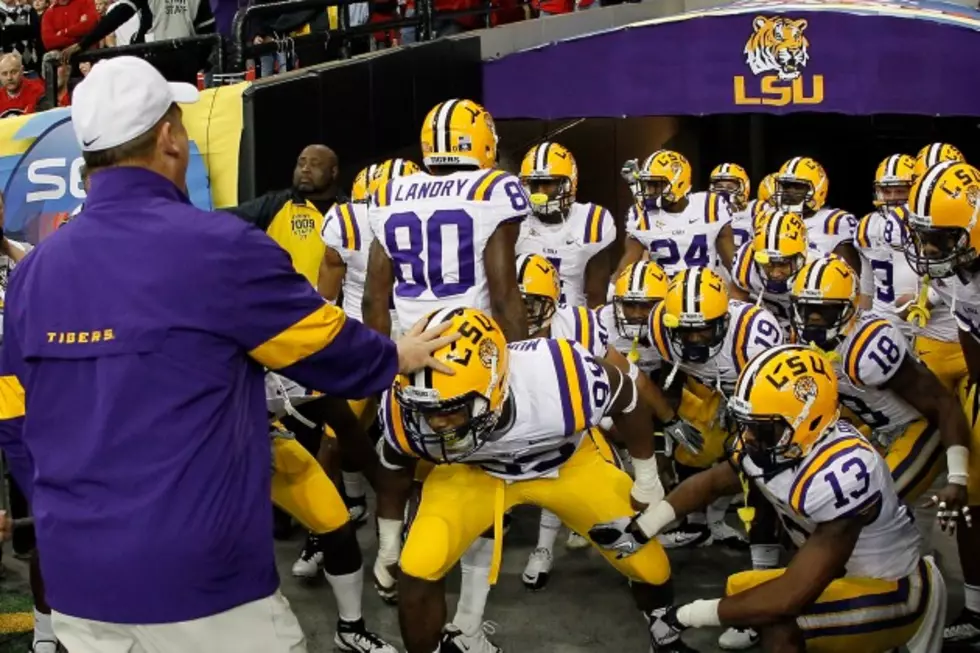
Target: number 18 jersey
(435, 230)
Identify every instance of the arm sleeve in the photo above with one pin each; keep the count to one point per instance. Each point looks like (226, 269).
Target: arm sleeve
(867, 276)
(261, 210)
(12, 408)
(275, 314)
(113, 20)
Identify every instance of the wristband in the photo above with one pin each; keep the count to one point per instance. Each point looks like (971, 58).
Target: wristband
(611, 292)
(957, 464)
(389, 540)
(655, 518)
(702, 613)
(647, 487)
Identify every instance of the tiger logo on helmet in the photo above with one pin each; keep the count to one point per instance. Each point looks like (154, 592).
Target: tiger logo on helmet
(785, 400)
(801, 184)
(665, 175)
(635, 293)
(695, 314)
(361, 190)
(538, 281)
(449, 417)
(944, 211)
(549, 174)
(779, 250)
(732, 181)
(933, 154)
(459, 133)
(778, 45)
(824, 302)
(893, 180)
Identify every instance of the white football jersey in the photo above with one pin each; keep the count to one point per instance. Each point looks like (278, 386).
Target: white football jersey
(435, 230)
(346, 231)
(570, 246)
(751, 330)
(885, 274)
(678, 241)
(6, 267)
(828, 228)
(842, 476)
(649, 360)
(747, 276)
(869, 357)
(742, 229)
(582, 325)
(557, 392)
(959, 299)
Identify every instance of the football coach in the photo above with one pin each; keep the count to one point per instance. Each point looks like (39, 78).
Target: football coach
(131, 374)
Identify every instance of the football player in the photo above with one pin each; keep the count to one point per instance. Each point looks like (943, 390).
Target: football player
(765, 267)
(706, 338)
(765, 195)
(934, 154)
(943, 244)
(801, 187)
(679, 229)
(549, 393)
(857, 581)
(732, 182)
(447, 237)
(576, 237)
(635, 294)
(906, 409)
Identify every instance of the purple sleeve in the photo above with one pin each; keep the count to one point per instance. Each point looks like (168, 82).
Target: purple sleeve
(12, 407)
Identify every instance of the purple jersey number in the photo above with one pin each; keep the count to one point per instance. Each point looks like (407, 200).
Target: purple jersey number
(418, 258)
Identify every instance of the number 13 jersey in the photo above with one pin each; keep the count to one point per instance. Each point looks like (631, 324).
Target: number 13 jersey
(435, 230)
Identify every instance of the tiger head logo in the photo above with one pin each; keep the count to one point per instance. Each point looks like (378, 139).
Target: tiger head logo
(777, 45)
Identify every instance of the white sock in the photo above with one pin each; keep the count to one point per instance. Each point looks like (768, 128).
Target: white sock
(347, 591)
(764, 556)
(697, 517)
(475, 586)
(971, 593)
(548, 530)
(43, 630)
(353, 484)
(716, 511)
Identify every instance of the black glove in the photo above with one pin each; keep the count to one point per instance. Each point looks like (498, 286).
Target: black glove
(620, 535)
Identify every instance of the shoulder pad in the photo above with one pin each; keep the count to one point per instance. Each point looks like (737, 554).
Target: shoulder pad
(637, 218)
(862, 235)
(495, 186)
(716, 209)
(589, 331)
(340, 227)
(742, 266)
(599, 225)
(874, 353)
(658, 332)
(582, 384)
(394, 426)
(755, 330)
(840, 222)
(835, 481)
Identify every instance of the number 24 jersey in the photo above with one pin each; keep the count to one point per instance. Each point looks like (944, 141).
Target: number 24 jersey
(557, 390)
(435, 230)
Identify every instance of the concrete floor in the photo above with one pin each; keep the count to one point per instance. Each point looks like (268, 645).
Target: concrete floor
(586, 606)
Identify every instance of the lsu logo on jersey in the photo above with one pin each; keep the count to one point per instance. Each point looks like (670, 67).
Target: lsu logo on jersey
(778, 50)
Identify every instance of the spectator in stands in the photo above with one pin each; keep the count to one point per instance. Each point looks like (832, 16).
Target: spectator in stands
(67, 21)
(20, 31)
(40, 6)
(19, 95)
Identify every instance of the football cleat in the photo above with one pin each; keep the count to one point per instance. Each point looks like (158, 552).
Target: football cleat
(354, 636)
(722, 533)
(45, 646)
(963, 632)
(738, 639)
(357, 510)
(455, 640)
(686, 535)
(576, 542)
(385, 583)
(310, 560)
(537, 570)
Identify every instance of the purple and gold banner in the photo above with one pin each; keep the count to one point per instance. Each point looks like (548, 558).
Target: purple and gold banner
(855, 58)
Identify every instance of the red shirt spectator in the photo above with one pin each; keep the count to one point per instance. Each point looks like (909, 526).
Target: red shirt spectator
(67, 21)
(19, 95)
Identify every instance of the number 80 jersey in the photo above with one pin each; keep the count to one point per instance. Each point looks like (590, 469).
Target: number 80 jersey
(435, 230)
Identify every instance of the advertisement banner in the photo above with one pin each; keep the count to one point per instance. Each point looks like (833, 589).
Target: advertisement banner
(857, 58)
(40, 162)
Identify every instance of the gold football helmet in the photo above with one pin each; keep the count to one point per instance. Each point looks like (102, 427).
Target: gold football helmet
(459, 133)
(784, 401)
(893, 180)
(540, 286)
(934, 154)
(450, 417)
(664, 174)
(635, 293)
(362, 184)
(767, 190)
(731, 180)
(944, 207)
(779, 249)
(550, 176)
(695, 314)
(801, 184)
(824, 302)
(391, 169)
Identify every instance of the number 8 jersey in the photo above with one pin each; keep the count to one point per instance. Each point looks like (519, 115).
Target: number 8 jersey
(435, 230)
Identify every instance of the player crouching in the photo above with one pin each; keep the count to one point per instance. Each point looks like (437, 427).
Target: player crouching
(857, 581)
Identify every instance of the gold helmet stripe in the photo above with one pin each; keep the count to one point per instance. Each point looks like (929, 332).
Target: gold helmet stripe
(692, 292)
(441, 121)
(932, 156)
(793, 163)
(772, 229)
(928, 186)
(891, 168)
(814, 276)
(522, 261)
(541, 157)
(636, 280)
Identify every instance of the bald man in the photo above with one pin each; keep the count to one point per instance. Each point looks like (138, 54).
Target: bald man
(19, 95)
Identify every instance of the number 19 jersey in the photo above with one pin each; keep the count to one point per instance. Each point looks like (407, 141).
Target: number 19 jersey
(435, 230)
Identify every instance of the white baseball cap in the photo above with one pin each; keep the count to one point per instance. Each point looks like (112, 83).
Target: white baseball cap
(120, 99)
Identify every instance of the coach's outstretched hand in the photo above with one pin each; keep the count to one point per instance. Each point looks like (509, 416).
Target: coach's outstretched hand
(415, 348)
